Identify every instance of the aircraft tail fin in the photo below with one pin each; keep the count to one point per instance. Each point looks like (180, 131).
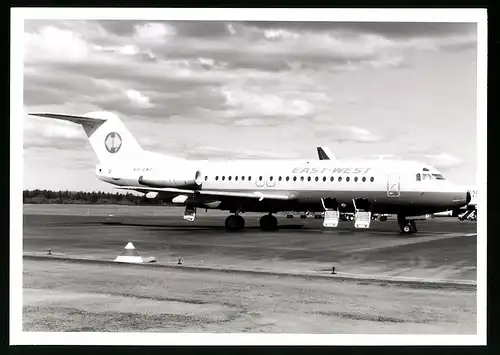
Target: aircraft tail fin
(325, 154)
(107, 134)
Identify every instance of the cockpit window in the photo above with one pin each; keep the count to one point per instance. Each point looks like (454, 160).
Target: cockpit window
(429, 176)
(433, 177)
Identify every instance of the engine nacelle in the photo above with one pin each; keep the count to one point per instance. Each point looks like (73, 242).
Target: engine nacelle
(179, 179)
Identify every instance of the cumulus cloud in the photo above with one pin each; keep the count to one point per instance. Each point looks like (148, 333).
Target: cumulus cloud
(348, 134)
(442, 160)
(249, 101)
(138, 98)
(153, 32)
(210, 152)
(54, 43)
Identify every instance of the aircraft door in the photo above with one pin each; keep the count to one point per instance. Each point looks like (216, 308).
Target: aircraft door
(393, 185)
(260, 181)
(270, 181)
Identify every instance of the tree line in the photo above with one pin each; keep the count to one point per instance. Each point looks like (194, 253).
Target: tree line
(80, 197)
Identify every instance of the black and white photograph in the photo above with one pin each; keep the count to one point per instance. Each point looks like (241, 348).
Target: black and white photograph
(232, 176)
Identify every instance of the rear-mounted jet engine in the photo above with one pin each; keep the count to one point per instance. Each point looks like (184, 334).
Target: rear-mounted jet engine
(183, 179)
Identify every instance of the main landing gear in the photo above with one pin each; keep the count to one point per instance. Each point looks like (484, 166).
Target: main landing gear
(236, 222)
(268, 222)
(406, 226)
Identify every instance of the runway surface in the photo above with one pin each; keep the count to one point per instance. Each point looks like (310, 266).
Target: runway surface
(62, 295)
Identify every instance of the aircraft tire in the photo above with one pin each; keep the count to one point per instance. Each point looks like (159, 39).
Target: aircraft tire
(234, 222)
(268, 222)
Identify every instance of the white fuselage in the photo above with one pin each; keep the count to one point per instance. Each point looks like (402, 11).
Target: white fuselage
(389, 185)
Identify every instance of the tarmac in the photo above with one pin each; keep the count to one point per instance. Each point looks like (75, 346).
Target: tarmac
(423, 283)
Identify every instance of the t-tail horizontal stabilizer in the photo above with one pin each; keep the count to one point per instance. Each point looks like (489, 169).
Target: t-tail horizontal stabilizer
(107, 134)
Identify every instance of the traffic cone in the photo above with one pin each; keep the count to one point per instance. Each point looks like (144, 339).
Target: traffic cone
(129, 255)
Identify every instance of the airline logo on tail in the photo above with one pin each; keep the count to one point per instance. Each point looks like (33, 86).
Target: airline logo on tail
(113, 142)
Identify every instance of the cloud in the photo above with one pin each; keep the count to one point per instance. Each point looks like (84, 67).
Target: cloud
(138, 99)
(397, 30)
(210, 152)
(442, 160)
(343, 134)
(254, 101)
(52, 42)
(153, 32)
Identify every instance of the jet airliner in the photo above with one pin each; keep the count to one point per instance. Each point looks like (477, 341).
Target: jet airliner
(362, 187)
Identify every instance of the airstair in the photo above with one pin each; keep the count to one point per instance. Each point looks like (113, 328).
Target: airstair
(362, 217)
(190, 213)
(332, 214)
(469, 214)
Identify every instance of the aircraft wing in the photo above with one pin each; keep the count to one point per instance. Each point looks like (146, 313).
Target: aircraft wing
(212, 194)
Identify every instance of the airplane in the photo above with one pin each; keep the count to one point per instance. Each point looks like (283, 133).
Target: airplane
(362, 187)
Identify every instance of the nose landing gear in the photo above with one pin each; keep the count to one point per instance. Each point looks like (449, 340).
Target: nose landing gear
(406, 226)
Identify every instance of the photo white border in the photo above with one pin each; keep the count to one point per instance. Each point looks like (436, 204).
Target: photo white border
(18, 15)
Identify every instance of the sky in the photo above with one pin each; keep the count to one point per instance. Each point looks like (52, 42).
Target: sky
(273, 90)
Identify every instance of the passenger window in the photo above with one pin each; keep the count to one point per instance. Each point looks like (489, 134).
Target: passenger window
(271, 178)
(317, 178)
(332, 178)
(236, 178)
(355, 179)
(287, 178)
(206, 178)
(294, 178)
(223, 178)
(324, 178)
(229, 178)
(243, 178)
(372, 179)
(364, 179)
(418, 177)
(301, 178)
(309, 178)
(260, 178)
(249, 178)
(340, 178)
(347, 179)
(279, 178)
(216, 178)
